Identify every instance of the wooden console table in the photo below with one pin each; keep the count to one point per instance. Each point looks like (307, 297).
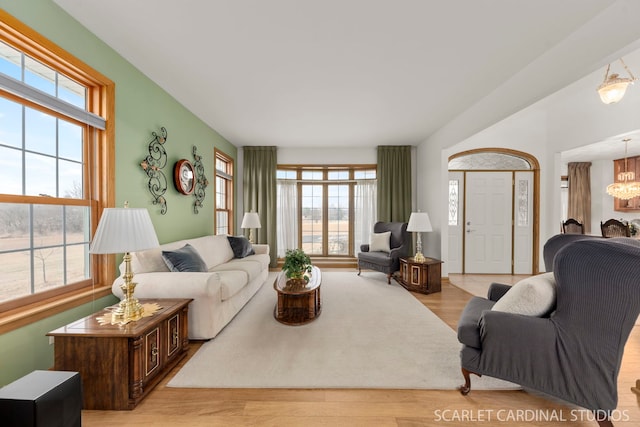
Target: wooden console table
(120, 364)
(423, 277)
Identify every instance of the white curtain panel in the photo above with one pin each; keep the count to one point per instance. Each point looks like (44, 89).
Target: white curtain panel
(365, 211)
(287, 214)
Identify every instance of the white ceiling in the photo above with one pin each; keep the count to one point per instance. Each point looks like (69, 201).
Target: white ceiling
(345, 72)
(610, 149)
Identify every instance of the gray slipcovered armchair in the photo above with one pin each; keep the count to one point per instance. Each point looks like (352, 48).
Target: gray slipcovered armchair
(386, 262)
(551, 248)
(575, 352)
(559, 241)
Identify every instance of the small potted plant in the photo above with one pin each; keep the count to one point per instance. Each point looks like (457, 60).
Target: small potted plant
(297, 265)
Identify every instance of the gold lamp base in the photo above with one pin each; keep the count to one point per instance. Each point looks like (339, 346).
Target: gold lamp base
(129, 309)
(418, 257)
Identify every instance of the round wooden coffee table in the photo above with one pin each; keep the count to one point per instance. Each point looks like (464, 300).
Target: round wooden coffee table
(298, 304)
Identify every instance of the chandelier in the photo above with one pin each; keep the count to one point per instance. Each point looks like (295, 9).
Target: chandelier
(626, 188)
(613, 86)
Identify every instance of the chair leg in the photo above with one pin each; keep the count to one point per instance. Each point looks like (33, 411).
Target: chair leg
(359, 271)
(466, 387)
(389, 279)
(605, 423)
(603, 419)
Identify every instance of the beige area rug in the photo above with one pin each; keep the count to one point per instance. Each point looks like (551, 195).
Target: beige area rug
(369, 335)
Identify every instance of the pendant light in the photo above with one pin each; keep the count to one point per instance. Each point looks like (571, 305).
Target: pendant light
(614, 87)
(626, 188)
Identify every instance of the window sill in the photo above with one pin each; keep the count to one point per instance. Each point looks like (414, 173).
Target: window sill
(26, 315)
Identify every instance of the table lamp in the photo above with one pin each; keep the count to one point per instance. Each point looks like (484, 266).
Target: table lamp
(125, 230)
(250, 220)
(419, 222)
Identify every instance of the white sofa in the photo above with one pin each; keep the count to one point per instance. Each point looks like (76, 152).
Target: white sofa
(218, 295)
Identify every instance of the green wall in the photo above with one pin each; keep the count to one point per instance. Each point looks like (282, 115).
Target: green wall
(26, 349)
(142, 107)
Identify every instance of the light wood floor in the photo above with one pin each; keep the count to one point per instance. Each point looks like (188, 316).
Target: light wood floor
(369, 408)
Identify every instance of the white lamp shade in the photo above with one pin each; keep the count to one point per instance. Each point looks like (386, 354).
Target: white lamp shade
(419, 222)
(124, 230)
(250, 220)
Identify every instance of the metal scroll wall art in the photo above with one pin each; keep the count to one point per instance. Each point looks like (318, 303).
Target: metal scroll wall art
(200, 180)
(153, 165)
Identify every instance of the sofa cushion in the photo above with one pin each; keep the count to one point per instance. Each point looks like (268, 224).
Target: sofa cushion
(184, 259)
(250, 266)
(380, 242)
(231, 282)
(241, 246)
(533, 296)
(263, 259)
(214, 250)
(378, 258)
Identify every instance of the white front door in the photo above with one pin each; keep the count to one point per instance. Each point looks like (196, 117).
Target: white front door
(488, 222)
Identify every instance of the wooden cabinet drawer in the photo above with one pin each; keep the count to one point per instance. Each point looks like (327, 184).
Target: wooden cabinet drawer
(151, 352)
(174, 338)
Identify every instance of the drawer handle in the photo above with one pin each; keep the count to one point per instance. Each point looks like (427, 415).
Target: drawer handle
(175, 335)
(154, 354)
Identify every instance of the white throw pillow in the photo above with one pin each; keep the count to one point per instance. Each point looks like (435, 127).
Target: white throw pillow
(380, 242)
(151, 260)
(533, 296)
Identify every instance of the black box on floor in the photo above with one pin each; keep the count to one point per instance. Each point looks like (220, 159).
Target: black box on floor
(42, 399)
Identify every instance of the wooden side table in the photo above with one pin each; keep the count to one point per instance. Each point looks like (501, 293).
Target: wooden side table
(120, 364)
(423, 277)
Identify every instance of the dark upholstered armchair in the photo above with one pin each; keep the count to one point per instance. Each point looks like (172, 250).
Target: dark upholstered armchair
(559, 241)
(573, 353)
(386, 262)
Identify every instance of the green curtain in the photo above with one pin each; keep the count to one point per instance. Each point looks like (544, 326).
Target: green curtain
(394, 183)
(259, 183)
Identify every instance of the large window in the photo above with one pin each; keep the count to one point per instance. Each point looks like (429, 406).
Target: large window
(224, 193)
(326, 207)
(55, 166)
